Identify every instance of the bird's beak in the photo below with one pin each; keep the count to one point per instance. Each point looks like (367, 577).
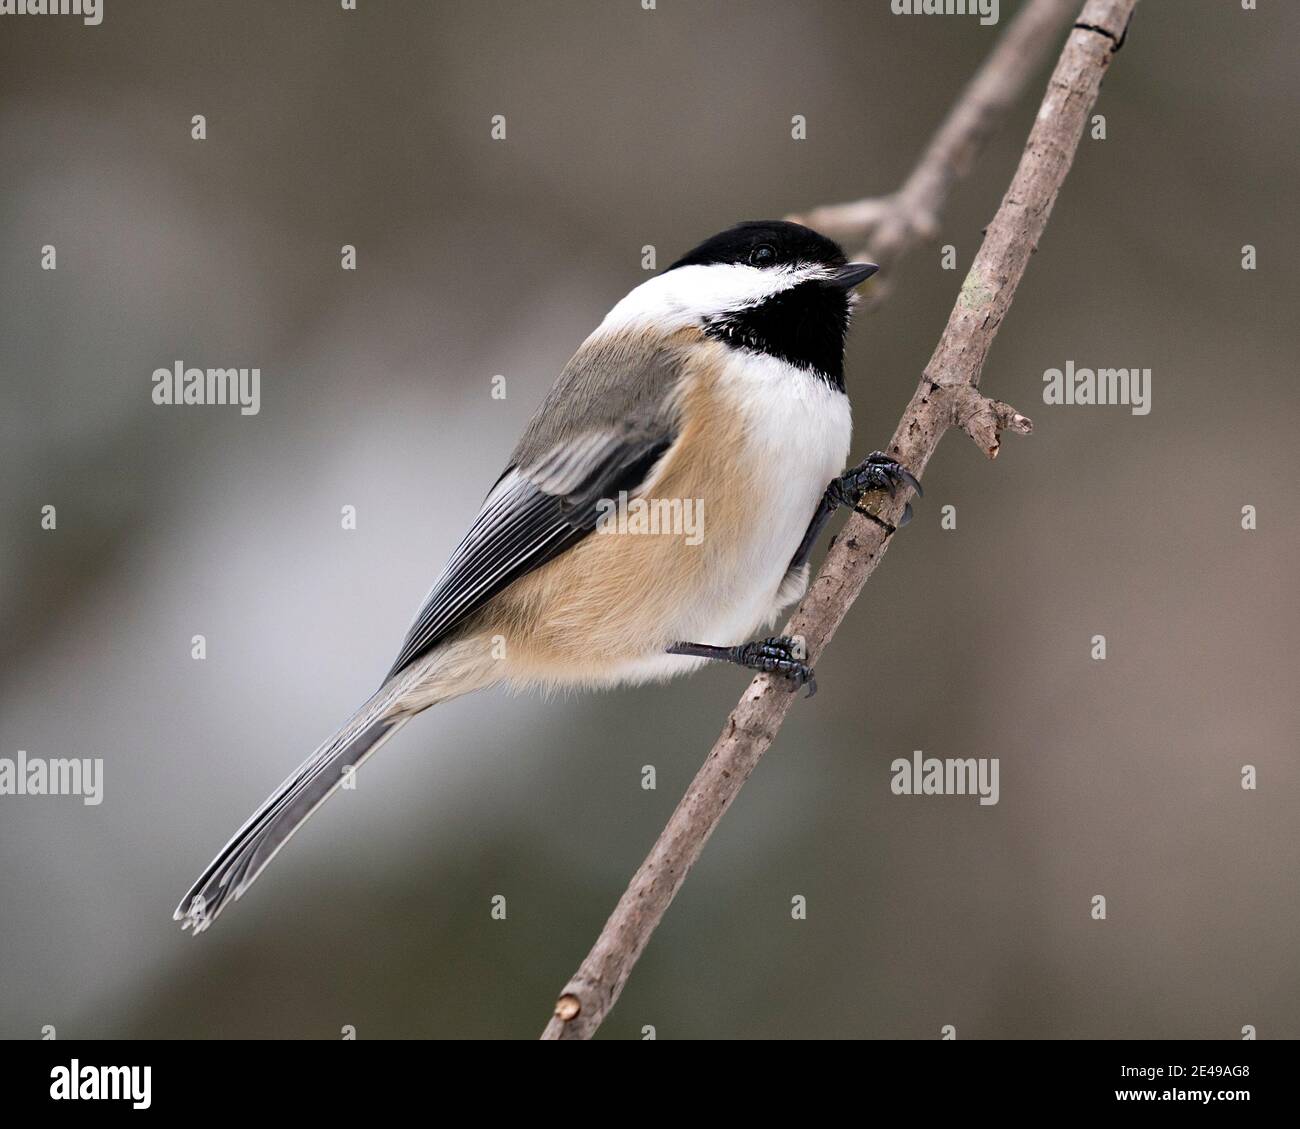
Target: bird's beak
(851, 274)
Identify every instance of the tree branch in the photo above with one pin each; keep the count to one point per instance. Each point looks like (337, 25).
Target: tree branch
(947, 396)
(888, 227)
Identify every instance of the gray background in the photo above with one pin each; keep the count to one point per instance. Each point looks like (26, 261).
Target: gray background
(478, 257)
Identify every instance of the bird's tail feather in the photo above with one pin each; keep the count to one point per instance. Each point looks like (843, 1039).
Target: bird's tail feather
(272, 825)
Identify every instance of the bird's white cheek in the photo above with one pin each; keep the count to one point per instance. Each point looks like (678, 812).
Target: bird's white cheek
(689, 295)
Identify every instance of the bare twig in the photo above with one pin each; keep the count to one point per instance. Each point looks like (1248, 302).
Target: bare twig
(887, 227)
(947, 396)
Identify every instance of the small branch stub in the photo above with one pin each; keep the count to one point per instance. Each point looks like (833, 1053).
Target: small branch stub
(567, 1007)
(984, 419)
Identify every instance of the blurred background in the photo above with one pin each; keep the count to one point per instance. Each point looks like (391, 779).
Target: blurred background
(478, 257)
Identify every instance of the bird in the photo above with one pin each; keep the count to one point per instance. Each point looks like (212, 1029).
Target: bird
(717, 384)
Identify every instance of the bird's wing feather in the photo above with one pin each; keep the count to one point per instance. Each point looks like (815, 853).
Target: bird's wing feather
(575, 452)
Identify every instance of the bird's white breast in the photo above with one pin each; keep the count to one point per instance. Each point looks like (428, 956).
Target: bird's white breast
(795, 438)
(762, 440)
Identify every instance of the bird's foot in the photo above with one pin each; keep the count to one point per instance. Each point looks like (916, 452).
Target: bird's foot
(877, 472)
(778, 654)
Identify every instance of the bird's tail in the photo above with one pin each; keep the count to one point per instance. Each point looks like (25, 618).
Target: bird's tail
(273, 824)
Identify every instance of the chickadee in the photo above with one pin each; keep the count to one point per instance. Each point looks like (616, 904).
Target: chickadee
(721, 381)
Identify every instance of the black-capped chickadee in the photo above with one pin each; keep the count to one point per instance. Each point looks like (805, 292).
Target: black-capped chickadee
(718, 383)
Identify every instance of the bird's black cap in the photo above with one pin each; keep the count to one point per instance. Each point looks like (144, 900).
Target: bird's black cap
(765, 243)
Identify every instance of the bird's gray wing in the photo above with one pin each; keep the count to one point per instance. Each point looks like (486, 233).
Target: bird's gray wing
(601, 430)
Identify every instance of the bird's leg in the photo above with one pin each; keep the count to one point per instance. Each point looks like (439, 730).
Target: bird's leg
(779, 654)
(876, 472)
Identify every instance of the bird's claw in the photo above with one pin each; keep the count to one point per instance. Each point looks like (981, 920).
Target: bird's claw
(877, 472)
(778, 655)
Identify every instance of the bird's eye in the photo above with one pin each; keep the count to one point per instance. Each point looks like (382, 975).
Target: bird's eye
(763, 255)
